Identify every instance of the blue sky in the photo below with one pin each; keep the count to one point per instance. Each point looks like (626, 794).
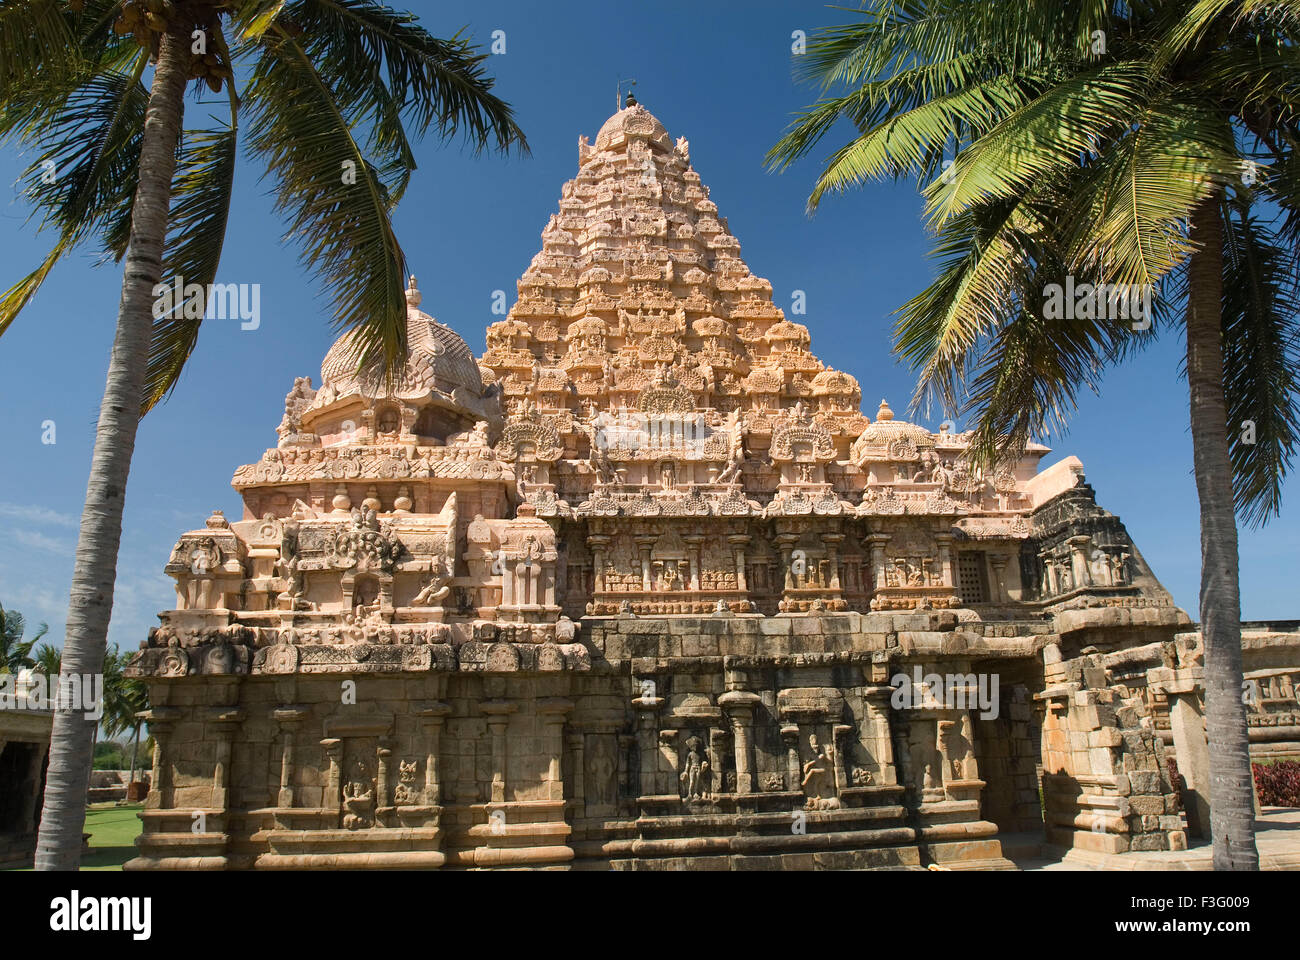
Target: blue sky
(718, 73)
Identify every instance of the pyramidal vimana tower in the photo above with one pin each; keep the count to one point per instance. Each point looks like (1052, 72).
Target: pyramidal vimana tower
(642, 587)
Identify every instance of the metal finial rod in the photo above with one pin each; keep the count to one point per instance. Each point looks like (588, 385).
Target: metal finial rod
(618, 94)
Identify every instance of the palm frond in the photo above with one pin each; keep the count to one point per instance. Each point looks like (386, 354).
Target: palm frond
(88, 133)
(1053, 133)
(381, 63)
(36, 42)
(982, 256)
(200, 208)
(1261, 347)
(343, 230)
(1128, 218)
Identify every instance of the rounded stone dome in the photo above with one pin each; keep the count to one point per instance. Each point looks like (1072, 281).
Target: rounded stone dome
(437, 359)
(885, 430)
(632, 123)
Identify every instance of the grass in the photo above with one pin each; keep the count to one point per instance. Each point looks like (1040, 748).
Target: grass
(113, 828)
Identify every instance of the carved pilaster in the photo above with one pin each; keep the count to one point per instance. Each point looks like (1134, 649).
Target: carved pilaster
(738, 544)
(161, 721)
(833, 541)
(432, 718)
(647, 707)
(552, 711)
(876, 542)
(288, 717)
(693, 544)
(498, 714)
(598, 543)
(333, 748)
(739, 706)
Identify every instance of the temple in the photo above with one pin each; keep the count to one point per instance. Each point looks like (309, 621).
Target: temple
(643, 587)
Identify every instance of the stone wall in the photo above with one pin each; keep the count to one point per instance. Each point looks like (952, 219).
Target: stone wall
(660, 742)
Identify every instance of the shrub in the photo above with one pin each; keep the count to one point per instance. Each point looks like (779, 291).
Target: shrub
(1278, 783)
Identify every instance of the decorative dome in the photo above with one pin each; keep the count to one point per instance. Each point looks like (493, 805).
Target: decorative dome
(633, 123)
(437, 359)
(886, 430)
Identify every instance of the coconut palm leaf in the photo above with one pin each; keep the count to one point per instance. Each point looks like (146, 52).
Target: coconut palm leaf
(1261, 343)
(14, 650)
(83, 178)
(343, 229)
(35, 36)
(201, 192)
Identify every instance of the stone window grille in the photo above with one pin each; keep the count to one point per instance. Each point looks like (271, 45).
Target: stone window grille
(972, 582)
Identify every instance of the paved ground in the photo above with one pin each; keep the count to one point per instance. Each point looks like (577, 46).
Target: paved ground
(1277, 837)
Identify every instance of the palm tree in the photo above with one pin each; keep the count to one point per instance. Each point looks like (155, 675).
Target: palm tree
(14, 650)
(125, 699)
(1147, 142)
(329, 90)
(47, 660)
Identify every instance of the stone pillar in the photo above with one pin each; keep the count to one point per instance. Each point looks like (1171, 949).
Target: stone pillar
(1050, 588)
(944, 540)
(161, 721)
(577, 752)
(1079, 545)
(288, 718)
(597, 544)
(552, 711)
(832, 541)
(693, 544)
(942, 728)
(333, 799)
(999, 565)
(738, 543)
(507, 583)
(644, 544)
(498, 714)
(786, 542)
(882, 744)
(739, 706)
(877, 542)
(1187, 724)
(432, 719)
(647, 749)
(383, 756)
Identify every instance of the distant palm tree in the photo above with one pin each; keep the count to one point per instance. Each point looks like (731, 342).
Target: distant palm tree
(329, 88)
(1135, 143)
(14, 650)
(47, 660)
(125, 698)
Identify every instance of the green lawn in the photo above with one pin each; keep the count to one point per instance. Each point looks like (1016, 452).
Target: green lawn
(112, 830)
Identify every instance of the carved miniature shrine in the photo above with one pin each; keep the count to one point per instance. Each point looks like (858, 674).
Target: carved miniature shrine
(632, 589)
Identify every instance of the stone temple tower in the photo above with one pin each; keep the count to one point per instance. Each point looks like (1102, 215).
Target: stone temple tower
(640, 584)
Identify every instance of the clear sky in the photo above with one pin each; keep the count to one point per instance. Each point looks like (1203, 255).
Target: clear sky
(718, 73)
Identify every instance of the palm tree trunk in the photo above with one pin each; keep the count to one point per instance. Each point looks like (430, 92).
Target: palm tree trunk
(1232, 804)
(71, 749)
